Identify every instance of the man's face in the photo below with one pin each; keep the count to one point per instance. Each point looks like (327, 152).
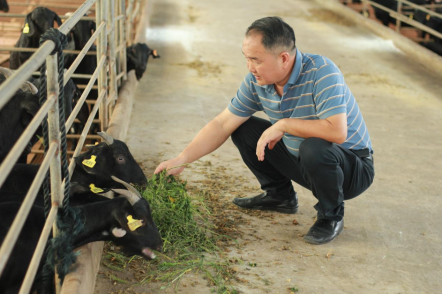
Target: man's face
(263, 64)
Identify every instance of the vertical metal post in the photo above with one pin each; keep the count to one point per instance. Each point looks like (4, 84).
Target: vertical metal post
(364, 8)
(398, 22)
(129, 23)
(54, 136)
(123, 39)
(112, 57)
(101, 16)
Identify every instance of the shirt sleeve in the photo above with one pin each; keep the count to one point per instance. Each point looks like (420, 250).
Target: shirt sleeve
(244, 103)
(329, 92)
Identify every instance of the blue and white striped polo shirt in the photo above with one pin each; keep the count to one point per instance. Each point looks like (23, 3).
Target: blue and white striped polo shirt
(315, 90)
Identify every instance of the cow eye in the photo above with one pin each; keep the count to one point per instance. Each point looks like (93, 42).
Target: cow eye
(121, 159)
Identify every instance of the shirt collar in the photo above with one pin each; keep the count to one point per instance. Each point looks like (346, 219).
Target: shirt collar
(296, 69)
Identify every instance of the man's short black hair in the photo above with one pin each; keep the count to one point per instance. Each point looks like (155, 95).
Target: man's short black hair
(275, 33)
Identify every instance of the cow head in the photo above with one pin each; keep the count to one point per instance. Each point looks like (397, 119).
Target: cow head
(137, 57)
(36, 24)
(82, 32)
(134, 228)
(109, 158)
(4, 5)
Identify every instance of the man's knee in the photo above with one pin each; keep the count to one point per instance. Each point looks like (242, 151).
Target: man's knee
(315, 151)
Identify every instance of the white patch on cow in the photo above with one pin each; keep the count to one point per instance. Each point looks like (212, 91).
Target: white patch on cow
(118, 232)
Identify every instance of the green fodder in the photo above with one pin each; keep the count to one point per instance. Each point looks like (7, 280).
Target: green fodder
(189, 241)
(182, 225)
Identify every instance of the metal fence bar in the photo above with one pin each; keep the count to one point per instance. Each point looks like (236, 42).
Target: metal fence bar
(113, 91)
(11, 85)
(18, 148)
(46, 4)
(21, 15)
(129, 23)
(101, 49)
(83, 97)
(83, 135)
(20, 218)
(85, 49)
(23, 49)
(39, 250)
(123, 39)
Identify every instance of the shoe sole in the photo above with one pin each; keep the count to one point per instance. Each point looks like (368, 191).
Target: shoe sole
(277, 209)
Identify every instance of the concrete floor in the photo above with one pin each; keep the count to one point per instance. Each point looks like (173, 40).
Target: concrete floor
(392, 239)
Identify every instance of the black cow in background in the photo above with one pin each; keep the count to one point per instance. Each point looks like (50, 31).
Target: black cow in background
(384, 16)
(36, 24)
(16, 115)
(4, 5)
(435, 23)
(137, 57)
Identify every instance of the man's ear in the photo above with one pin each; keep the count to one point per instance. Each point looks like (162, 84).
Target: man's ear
(285, 58)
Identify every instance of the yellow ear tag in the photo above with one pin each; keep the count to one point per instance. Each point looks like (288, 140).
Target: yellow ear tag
(428, 17)
(95, 189)
(133, 223)
(26, 29)
(96, 143)
(90, 162)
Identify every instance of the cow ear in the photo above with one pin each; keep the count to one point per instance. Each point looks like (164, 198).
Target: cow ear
(30, 105)
(90, 159)
(93, 26)
(154, 53)
(29, 27)
(57, 19)
(118, 232)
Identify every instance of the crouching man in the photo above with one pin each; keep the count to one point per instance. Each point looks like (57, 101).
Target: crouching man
(316, 135)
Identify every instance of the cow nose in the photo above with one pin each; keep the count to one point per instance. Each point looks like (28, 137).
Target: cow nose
(159, 248)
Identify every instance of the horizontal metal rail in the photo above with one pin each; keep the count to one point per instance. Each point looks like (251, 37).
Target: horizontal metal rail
(86, 48)
(18, 148)
(22, 215)
(23, 49)
(39, 250)
(21, 15)
(46, 4)
(83, 96)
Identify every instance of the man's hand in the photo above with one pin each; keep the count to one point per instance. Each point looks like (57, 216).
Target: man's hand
(173, 167)
(270, 137)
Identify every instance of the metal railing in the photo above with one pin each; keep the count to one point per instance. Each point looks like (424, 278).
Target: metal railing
(113, 21)
(397, 14)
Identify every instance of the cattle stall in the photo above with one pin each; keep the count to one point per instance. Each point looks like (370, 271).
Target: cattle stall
(419, 20)
(114, 31)
(11, 25)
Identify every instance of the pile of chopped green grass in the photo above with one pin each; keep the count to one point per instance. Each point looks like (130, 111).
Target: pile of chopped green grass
(189, 243)
(181, 221)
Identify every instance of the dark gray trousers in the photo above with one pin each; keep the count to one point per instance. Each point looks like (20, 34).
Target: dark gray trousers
(331, 172)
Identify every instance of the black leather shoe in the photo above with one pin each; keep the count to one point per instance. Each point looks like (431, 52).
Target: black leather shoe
(264, 201)
(324, 231)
